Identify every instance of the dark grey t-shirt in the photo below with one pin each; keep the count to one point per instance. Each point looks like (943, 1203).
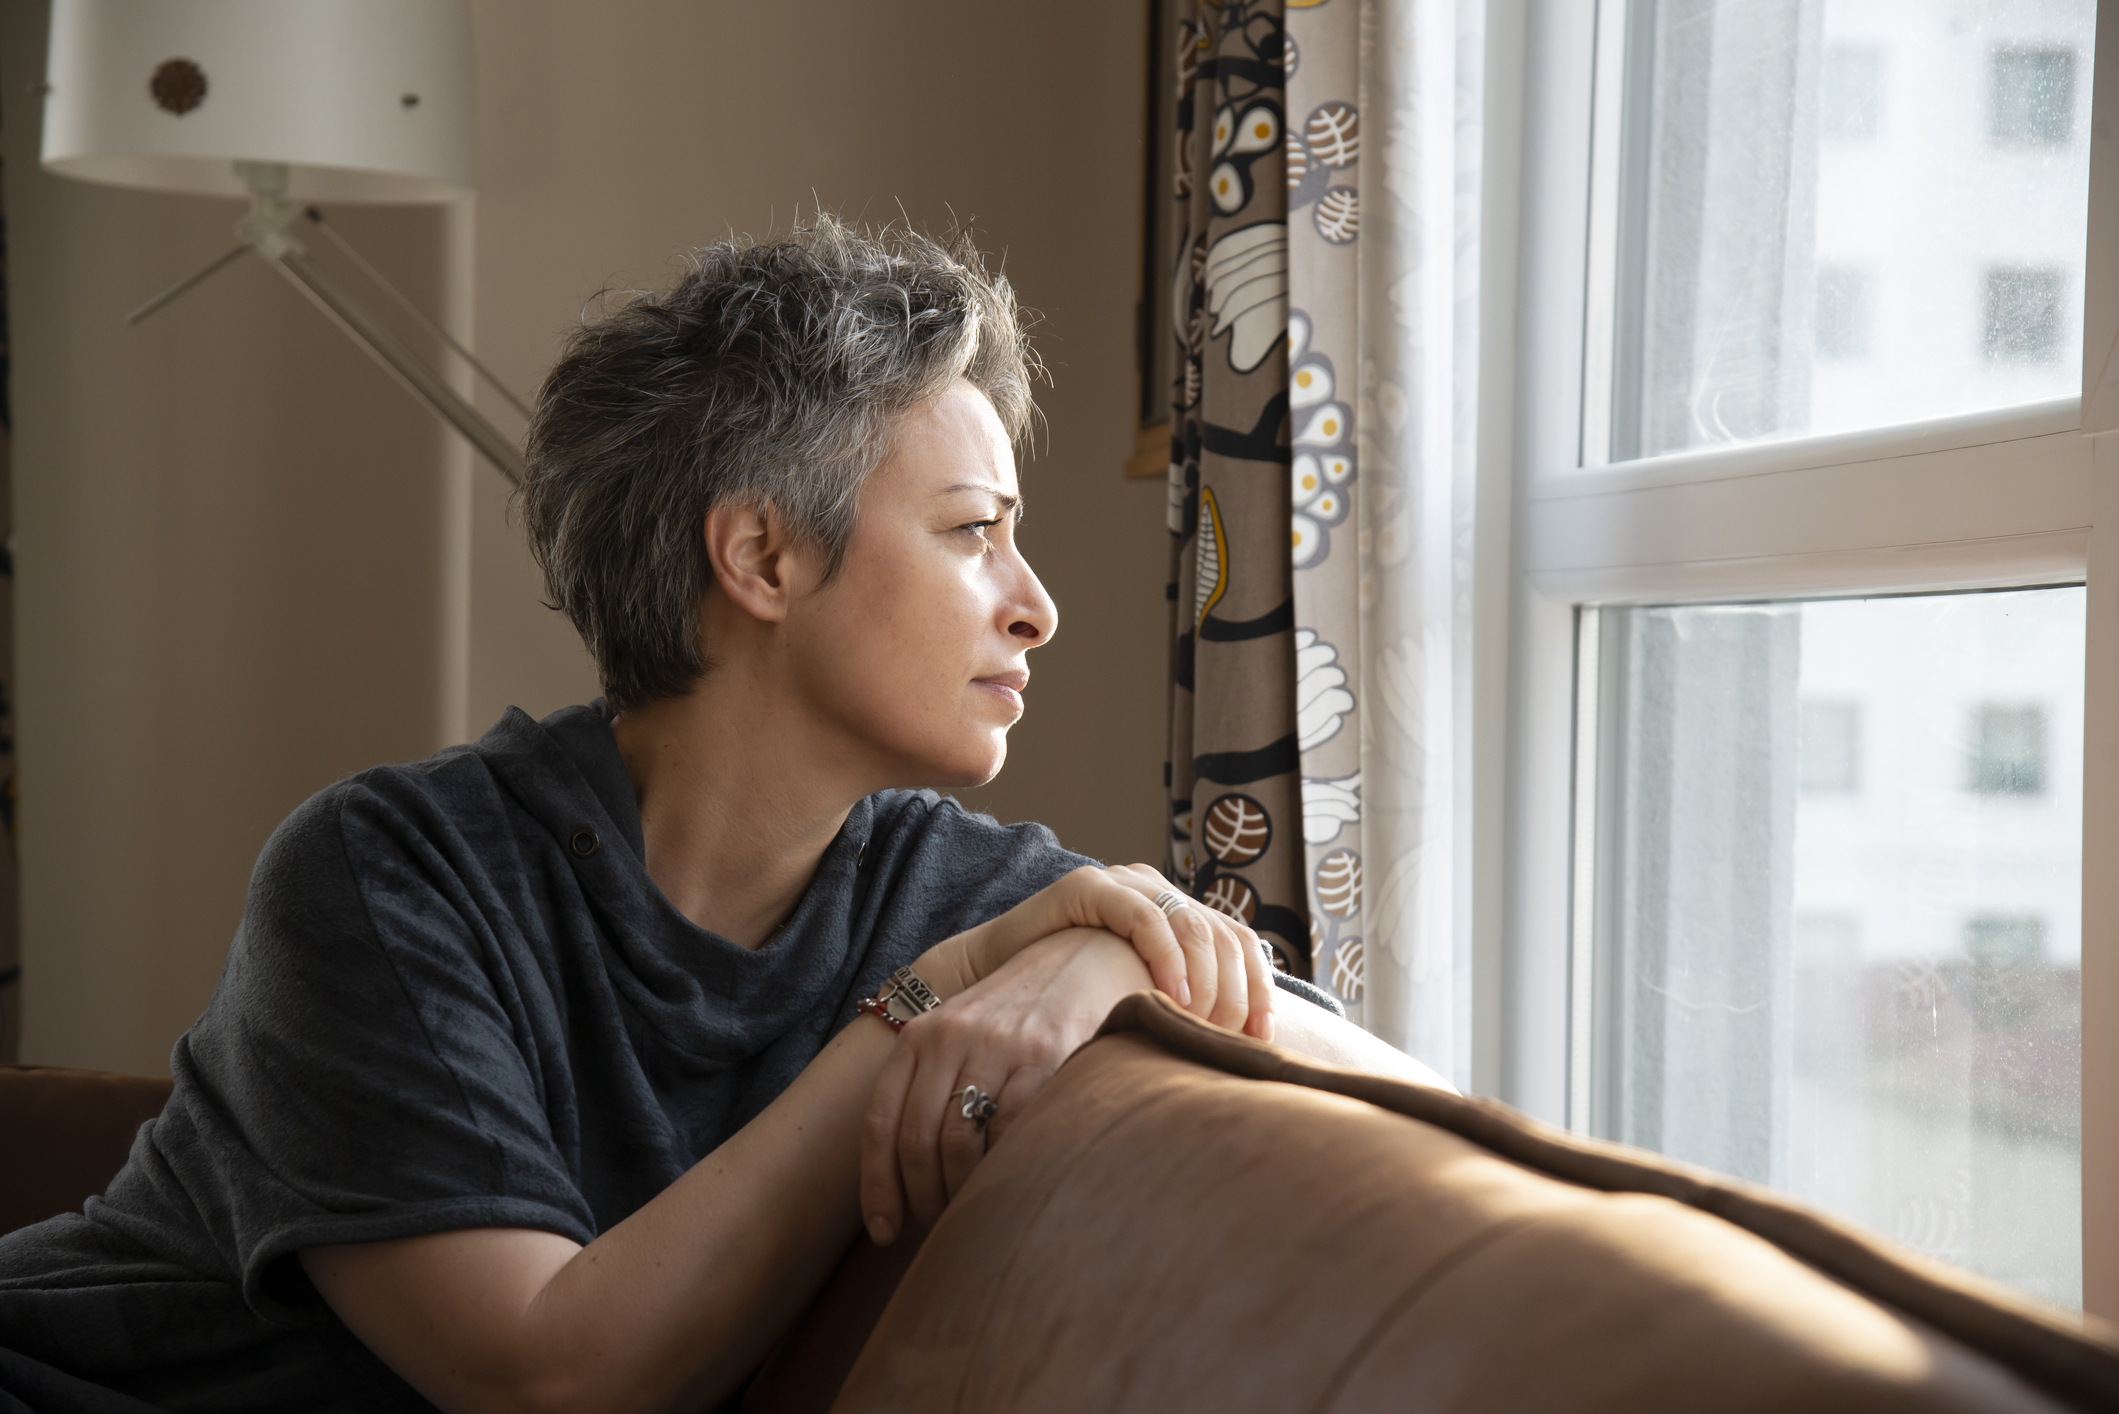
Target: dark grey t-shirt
(457, 1000)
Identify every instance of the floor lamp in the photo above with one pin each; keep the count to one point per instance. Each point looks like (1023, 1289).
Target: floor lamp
(287, 103)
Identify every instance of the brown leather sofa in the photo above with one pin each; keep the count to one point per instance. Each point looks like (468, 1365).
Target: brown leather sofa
(64, 1133)
(1187, 1219)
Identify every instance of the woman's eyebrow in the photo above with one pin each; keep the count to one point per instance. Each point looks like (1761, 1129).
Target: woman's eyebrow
(1009, 501)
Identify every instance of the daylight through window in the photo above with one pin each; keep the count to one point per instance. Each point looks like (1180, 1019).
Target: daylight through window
(1830, 216)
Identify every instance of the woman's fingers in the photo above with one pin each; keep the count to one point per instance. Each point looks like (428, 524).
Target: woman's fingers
(882, 1195)
(1191, 923)
(1232, 993)
(963, 1140)
(938, 1044)
(1260, 1021)
(1194, 927)
(1172, 946)
(1120, 900)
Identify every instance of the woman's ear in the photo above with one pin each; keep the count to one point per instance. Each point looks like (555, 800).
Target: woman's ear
(748, 548)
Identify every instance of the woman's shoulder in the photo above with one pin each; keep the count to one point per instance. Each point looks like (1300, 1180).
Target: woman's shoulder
(416, 796)
(933, 820)
(932, 842)
(424, 810)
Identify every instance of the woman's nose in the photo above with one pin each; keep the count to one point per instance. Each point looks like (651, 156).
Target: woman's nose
(1035, 618)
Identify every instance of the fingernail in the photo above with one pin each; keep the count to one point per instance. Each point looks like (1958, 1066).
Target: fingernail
(1184, 998)
(1270, 1027)
(880, 1231)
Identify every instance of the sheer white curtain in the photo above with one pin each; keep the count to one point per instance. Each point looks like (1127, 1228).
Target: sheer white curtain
(1384, 139)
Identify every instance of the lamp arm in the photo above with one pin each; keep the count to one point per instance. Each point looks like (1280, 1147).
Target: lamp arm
(419, 316)
(419, 380)
(182, 285)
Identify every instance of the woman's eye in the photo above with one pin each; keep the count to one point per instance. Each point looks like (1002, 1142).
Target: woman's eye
(979, 527)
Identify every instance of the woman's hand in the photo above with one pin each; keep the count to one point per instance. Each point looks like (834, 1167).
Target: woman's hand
(1005, 1036)
(1207, 962)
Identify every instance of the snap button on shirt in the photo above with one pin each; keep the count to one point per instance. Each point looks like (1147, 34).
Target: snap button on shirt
(584, 842)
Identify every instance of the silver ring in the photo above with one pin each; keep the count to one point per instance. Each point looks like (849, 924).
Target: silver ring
(1169, 901)
(979, 1107)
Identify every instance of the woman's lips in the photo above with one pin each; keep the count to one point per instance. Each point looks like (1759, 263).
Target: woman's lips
(1006, 686)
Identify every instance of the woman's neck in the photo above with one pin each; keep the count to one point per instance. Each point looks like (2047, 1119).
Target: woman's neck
(735, 807)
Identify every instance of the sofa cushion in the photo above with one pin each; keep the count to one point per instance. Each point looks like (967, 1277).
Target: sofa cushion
(1161, 1230)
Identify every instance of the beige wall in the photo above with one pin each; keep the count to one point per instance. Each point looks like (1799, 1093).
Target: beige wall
(613, 135)
(226, 555)
(236, 542)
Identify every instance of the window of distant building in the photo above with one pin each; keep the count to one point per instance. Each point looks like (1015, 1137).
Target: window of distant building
(2032, 97)
(1843, 316)
(2007, 755)
(1852, 92)
(2007, 938)
(2023, 316)
(1830, 763)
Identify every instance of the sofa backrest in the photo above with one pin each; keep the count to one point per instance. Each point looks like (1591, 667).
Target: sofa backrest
(1162, 1230)
(65, 1134)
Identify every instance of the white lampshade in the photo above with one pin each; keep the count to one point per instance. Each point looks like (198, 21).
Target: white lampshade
(364, 100)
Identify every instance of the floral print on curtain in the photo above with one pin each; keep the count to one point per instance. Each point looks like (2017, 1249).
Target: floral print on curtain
(1322, 480)
(1324, 333)
(1236, 831)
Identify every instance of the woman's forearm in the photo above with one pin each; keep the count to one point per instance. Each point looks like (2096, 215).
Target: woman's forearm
(668, 1309)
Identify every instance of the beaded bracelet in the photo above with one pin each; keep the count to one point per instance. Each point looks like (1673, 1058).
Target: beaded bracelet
(874, 1007)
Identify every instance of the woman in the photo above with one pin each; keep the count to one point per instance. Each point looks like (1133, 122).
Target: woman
(537, 1077)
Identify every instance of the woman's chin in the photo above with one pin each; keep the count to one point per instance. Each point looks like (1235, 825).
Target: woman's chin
(964, 770)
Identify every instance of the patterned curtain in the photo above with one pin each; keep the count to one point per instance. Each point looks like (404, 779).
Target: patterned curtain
(1365, 258)
(1233, 777)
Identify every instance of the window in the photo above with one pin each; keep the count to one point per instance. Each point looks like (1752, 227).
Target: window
(1853, 93)
(1744, 182)
(2007, 755)
(1827, 937)
(1801, 516)
(1843, 314)
(2033, 97)
(1830, 760)
(1922, 1074)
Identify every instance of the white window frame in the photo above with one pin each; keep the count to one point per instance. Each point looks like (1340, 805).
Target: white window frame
(1990, 500)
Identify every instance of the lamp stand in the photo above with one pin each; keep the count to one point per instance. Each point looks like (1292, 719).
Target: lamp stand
(268, 231)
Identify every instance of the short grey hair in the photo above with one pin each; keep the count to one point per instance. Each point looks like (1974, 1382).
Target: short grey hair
(774, 373)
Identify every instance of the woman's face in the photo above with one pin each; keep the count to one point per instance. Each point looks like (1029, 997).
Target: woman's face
(915, 650)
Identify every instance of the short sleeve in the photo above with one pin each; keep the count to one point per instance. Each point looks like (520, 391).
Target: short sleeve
(365, 1070)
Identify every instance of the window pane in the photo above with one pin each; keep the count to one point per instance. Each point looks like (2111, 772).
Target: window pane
(1843, 214)
(1838, 944)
